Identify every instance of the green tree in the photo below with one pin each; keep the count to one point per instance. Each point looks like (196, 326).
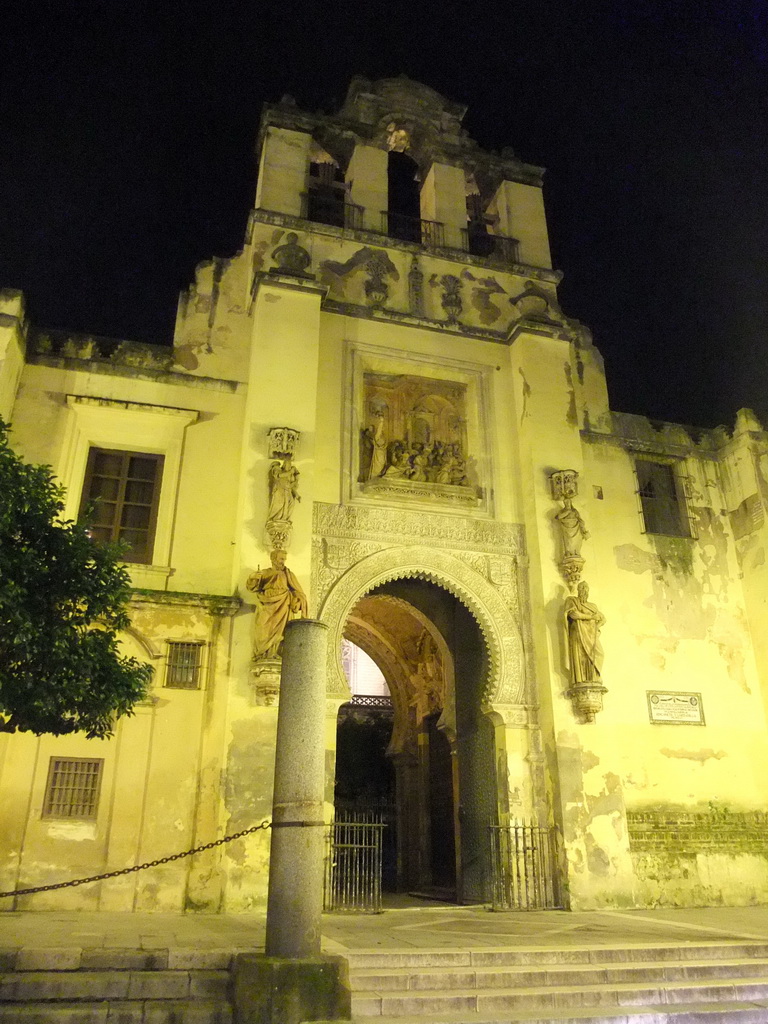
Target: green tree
(63, 601)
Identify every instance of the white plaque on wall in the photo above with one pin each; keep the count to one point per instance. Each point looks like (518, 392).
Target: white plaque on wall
(672, 708)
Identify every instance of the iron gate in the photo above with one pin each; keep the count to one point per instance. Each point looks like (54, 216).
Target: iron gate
(353, 863)
(524, 867)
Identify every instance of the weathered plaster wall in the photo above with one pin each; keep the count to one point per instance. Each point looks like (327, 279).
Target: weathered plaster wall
(159, 792)
(677, 620)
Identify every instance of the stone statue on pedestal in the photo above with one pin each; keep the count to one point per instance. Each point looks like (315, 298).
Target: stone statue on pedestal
(570, 524)
(572, 529)
(583, 622)
(283, 494)
(280, 598)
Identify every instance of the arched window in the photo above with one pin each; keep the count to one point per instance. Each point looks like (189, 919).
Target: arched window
(326, 200)
(404, 205)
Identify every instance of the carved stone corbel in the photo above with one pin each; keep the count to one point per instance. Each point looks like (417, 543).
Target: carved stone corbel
(586, 700)
(266, 681)
(282, 442)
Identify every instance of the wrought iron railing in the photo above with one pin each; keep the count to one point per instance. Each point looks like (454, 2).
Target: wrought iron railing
(371, 700)
(413, 229)
(524, 872)
(353, 863)
(322, 208)
(478, 242)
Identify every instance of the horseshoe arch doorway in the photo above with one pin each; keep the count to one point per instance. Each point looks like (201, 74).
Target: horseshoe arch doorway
(427, 756)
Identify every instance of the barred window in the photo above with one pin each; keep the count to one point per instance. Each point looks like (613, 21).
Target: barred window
(183, 664)
(661, 498)
(124, 489)
(73, 786)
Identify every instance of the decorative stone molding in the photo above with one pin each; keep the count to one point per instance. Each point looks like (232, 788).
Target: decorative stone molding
(357, 549)
(376, 291)
(416, 288)
(392, 488)
(514, 716)
(450, 300)
(502, 542)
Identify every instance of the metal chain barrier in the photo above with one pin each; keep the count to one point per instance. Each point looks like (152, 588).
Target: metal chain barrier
(149, 863)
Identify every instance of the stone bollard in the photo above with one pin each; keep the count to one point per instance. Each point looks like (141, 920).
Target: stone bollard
(295, 901)
(293, 982)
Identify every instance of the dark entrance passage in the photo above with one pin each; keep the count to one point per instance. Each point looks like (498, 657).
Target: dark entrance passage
(442, 834)
(365, 777)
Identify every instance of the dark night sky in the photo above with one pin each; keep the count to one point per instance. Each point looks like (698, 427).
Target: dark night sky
(127, 134)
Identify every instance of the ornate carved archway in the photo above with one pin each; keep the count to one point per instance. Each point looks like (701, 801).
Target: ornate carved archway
(499, 627)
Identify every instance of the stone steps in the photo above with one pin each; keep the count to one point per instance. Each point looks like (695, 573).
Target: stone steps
(652, 985)
(115, 986)
(387, 980)
(736, 1013)
(167, 1011)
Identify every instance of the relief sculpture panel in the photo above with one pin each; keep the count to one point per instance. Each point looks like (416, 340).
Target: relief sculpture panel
(413, 442)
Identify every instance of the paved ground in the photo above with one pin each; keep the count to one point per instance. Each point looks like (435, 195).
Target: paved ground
(425, 926)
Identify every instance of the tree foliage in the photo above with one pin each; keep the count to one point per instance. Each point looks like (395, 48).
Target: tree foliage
(63, 601)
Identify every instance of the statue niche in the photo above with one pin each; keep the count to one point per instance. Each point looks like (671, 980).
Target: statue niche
(413, 442)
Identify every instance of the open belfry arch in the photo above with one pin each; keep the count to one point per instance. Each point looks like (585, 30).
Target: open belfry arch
(377, 414)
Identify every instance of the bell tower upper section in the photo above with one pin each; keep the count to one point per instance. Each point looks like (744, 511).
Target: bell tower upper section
(395, 161)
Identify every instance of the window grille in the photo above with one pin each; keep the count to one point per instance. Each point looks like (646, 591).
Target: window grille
(73, 786)
(661, 498)
(123, 488)
(184, 664)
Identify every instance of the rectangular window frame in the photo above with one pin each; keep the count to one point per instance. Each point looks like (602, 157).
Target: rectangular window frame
(680, 483)
(115, 526)
(101, 422)
(55, 807)
(171, 681)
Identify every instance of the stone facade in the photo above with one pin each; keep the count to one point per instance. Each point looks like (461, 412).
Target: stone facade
(399, 407)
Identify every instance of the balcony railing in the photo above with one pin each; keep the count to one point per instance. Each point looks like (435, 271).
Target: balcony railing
(478, 242)
(326, 209)
(413, 229)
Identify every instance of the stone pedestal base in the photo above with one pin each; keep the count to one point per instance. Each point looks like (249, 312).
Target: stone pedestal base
(266, 681)
(571, 567)
(587, 700)
(279, 990)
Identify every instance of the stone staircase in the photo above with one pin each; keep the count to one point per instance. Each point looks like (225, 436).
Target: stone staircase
(689, 984)
(115, 986)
